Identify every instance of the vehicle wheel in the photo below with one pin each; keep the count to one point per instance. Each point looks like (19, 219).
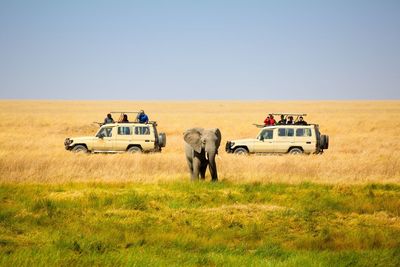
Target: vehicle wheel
(134, 149)
(295, 151)
(324, 142)
(162, 140)
(79, 149)
(241, 151)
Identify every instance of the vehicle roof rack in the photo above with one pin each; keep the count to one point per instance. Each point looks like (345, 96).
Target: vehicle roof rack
(124, 112)
(287, 114)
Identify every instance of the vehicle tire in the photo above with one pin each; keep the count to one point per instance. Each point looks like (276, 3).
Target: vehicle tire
(295, 151)
(162, 140)
(134, 149)
(240, 151)
(323, 142)
(326, 142)
(79, 149)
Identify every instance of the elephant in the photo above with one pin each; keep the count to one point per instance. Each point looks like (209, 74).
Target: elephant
(201, 148)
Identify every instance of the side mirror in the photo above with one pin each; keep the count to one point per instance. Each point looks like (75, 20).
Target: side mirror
(101, 136)
(261, 138)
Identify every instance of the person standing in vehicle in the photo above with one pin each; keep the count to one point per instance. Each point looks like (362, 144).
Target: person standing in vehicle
(267, 121)
(290, 120)
(272, 121)
(282, 121)
(108, 119)
(142, 117)
(124, 119)
(301, 121)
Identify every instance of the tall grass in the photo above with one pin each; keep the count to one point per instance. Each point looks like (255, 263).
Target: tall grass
(363, 142)
(192, 224)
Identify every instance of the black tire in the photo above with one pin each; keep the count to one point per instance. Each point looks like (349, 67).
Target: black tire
(240, 151)
(324, 142)
(134, 150)
(162, 140)
(295, 151)
(79, 149)
(327, 142)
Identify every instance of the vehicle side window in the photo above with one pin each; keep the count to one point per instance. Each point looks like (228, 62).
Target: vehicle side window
(282, 132)
(106, 132)
(268, 134)
(303, 132)
(124, 131)
(142, 130)
(285, 132)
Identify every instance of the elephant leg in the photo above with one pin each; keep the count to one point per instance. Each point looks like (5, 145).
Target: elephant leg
(196, 169)
(203, 168)
(213, 170)
(190, 165)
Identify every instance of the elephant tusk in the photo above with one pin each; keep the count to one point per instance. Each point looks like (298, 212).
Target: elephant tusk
(206, 155)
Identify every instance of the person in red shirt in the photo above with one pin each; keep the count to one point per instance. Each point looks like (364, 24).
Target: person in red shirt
(267, 121)
(272, 121)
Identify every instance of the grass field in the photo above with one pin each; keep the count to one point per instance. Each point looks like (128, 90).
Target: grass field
(341, 208)
(363, 142)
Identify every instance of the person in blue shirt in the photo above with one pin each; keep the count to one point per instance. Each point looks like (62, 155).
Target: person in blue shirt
(108, 119)
(142, 117)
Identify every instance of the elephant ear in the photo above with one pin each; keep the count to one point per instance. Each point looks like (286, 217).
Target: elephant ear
(219, 137)
(193, 138)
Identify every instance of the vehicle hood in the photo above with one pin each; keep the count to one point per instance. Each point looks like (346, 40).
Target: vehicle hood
(83, 139)
(244, 141)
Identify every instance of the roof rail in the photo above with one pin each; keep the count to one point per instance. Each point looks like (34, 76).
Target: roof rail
(291, 114)
(124, 111)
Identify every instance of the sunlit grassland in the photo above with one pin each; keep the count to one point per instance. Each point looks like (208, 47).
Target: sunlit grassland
(182, 223)
(364, 143)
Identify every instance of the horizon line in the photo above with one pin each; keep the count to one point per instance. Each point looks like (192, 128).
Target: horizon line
(203, 100)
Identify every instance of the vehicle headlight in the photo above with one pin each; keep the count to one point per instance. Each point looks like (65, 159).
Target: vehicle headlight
(232, 144)
(68, 141)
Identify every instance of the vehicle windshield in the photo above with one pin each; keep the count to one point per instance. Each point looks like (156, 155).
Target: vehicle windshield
(105, 132)
(265, 134)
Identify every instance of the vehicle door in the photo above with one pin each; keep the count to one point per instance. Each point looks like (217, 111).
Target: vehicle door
(144, 136)
(104, 139)
(124, 137)
(265, 141)
(305, 139)
(284, 139)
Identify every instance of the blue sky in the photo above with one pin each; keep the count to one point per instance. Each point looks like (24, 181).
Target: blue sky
(267, 50)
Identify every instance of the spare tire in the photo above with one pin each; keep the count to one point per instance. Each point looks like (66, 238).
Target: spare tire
(326, 142)
(323, 142)
(162, 139)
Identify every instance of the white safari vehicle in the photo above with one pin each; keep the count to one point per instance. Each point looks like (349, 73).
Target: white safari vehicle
(132, 137)
(282, 138)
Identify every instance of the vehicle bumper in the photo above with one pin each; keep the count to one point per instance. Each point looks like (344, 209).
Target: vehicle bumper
(156, 149)
(67, 144)
(228, 147)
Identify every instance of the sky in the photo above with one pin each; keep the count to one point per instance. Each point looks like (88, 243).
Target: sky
(189, 50)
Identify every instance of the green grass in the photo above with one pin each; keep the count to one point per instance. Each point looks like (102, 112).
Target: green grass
(198, 224)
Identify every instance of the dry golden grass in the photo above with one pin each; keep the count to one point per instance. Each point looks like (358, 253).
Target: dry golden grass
(364, 143)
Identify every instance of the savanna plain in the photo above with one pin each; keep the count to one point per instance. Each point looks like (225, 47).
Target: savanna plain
(341, 208)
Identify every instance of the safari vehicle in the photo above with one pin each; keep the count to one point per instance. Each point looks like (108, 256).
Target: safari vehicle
(284, 138)
(132, 137)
